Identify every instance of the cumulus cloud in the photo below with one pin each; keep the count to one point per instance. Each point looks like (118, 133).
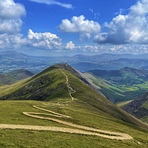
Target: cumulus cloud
(11, 41)
(129, 28)
(80, 25)
(43, 40)
(53, 2)
(10, 16)
(70, 45)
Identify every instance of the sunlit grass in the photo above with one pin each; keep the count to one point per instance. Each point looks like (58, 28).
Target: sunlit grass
(83, 115)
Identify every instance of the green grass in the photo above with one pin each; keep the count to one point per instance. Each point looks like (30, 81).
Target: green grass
(83, 115)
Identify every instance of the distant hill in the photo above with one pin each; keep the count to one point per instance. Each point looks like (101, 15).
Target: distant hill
(59, 82)
(14, 76)
(138, 107)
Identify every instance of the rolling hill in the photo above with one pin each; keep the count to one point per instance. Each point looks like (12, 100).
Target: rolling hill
(60, 102)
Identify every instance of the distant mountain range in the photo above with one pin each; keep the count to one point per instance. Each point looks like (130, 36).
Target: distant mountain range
(109, 62)
(12, 60)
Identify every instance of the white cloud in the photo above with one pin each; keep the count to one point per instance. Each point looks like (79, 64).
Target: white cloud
(80, 25)
(51, 42)
(10, 16)
(53, 2)
(70, 45)
(43, 40)
(129, 28)
(12, 41)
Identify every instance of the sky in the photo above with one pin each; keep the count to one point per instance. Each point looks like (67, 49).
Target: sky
(69, 27)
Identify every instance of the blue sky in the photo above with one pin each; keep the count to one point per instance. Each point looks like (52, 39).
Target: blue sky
(68, 27)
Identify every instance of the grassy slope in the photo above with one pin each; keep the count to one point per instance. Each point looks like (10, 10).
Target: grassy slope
(81, 114)
(89, 109)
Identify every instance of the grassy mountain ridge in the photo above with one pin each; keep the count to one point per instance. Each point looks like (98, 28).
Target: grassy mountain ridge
(50, 84)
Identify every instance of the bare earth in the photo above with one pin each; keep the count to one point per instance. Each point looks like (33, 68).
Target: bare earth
(74, 128)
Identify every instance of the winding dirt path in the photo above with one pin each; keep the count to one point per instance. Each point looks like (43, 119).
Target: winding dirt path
(77, 129)
(70, 89)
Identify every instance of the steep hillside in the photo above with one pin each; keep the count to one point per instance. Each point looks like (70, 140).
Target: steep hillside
(14, 76)
(138, 107)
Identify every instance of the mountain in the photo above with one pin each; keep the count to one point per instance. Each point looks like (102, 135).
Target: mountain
(138, 107)
(14, 76)
(50, 84)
